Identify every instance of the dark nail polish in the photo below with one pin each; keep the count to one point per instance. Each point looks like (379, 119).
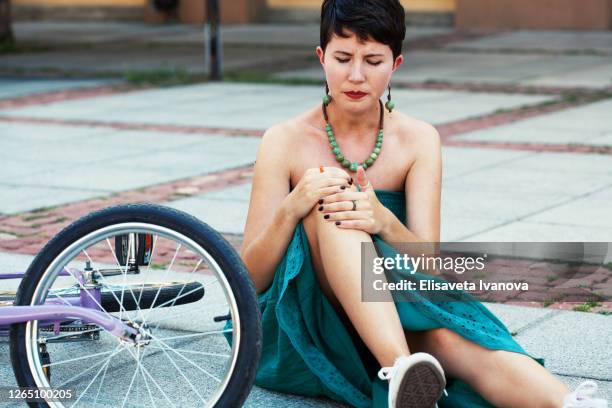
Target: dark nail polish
(321, 201)
(350, 181)
(337, 222)
(326, 216)
(343, 187)
(321, 208)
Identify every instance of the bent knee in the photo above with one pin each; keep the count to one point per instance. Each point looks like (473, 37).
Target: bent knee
(442, 339)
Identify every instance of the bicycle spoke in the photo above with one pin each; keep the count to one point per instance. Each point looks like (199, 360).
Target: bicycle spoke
(147, 383)
(100, 385)
(185, 283)
(91, 382)
(192, 335)
(144, 319)
(180, 291)
(195, 352)
(178, 297)
(189, 361)
(172, 316)
(131, 383)
(115, 352)
(124, 273)
(183, 375)
(70, 360)
(142, 367)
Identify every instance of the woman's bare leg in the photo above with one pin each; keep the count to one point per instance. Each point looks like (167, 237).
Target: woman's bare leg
(497, 375)
(336, 259)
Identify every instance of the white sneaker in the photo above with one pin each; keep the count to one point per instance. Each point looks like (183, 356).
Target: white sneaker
(416, 381)
(581, 397)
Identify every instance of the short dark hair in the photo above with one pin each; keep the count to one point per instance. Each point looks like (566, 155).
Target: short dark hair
(380, 20)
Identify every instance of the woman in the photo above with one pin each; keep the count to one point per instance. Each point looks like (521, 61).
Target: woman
(307, 220)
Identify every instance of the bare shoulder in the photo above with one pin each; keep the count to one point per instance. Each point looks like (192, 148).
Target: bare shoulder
(283, 134)
(417, 134)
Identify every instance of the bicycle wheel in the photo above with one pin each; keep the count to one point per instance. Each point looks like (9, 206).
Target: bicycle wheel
(185, 358)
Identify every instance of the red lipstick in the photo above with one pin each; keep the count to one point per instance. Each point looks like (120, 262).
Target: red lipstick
(355, 94)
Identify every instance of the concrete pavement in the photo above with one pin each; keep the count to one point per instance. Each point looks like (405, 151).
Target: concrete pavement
(508, 176)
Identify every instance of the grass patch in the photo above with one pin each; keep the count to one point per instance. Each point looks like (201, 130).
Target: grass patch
(586, 306)
(157, 266)
(552, 278)
(34, 217)
(605, 312)
(41, 209)
(262, 77)
(163, 77)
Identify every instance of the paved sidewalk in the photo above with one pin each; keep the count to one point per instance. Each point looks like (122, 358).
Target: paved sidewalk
(524, 119)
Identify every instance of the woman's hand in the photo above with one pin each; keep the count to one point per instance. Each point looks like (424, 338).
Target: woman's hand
(314, 186)
(366, 214)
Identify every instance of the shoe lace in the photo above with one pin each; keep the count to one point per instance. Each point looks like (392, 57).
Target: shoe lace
(386, 373)
(585, 390)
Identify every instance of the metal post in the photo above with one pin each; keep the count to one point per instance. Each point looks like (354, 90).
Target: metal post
(214, 50)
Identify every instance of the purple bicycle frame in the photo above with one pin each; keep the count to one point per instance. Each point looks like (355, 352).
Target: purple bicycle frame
(20, 314)
(83, 307)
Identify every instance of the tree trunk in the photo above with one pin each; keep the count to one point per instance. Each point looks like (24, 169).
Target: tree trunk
(6, 31)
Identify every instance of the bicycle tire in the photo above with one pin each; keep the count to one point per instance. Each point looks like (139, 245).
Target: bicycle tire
(191, 292)
(249, 349)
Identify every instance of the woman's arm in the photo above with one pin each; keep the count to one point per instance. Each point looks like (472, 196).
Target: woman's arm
(273, 210)
(423, 190)
(270, 223)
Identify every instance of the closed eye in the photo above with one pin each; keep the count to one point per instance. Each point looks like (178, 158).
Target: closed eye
(343, 60)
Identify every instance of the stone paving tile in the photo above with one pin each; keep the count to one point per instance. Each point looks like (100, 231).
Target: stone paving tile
(541, 40)
(497, 68)
(17, 198)
(517, 318)
(100, 161)
(123, 58)
(12, 87)
(570, 340)
(525, 231)
(254, 106)
(223, 215)
(516, 180)
(460, 202)
(592, 210)
(586, 124)
(461, 161)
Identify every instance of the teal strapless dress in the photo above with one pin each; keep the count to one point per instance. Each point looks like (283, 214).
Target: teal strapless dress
(307, 349)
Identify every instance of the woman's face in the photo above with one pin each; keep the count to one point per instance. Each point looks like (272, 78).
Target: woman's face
(357, 72)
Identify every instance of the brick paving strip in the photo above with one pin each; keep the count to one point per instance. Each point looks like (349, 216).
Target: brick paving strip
(579, 96)
(27, 232)
(45, 98)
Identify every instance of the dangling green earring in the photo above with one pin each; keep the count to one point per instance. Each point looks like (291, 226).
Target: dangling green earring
(327, 97)
(390, 105)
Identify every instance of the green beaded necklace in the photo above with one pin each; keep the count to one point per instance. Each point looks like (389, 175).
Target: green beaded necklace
(352, 166)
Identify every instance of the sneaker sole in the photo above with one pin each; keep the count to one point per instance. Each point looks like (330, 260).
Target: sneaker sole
(421, 387)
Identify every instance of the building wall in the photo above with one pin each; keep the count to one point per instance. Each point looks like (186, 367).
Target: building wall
(80, 3)
(530, 14)
(514, 14)
(410, 5)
